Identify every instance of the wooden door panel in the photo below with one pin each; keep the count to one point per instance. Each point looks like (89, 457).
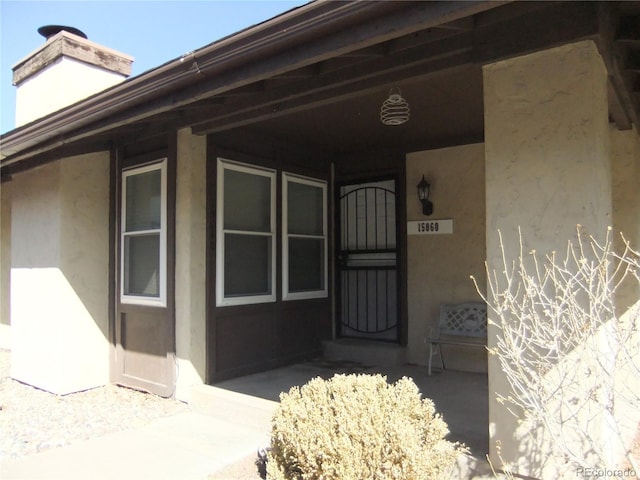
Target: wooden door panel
(146, 352)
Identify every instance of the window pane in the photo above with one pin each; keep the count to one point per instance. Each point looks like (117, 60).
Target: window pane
(247, 265)
(143, 201)
(142, 265)
(306, 264)
(304, 209)
(247, 201)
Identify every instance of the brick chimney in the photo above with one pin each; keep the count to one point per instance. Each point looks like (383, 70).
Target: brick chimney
(66, 69)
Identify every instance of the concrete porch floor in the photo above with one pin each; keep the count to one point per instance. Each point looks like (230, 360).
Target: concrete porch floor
(461, 398)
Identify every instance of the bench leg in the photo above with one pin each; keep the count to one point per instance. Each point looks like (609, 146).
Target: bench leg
(431, 353)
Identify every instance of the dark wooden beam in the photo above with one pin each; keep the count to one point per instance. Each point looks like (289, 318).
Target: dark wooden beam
(362, 77)
(628, 31)
(372, 51)
(617, 111)
(632, 62)
(464, 24)
(506, 13)
(622, 110)
(321, 97)
(540, 29)
(304, 72)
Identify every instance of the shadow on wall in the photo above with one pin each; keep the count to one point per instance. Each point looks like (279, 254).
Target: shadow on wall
(569, 354)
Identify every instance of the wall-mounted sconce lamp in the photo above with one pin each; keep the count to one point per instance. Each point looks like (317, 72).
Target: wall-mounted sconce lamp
(424, 188)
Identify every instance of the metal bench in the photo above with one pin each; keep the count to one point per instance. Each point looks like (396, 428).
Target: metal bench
(463, 324)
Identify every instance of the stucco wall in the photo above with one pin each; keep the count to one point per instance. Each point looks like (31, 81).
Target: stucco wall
(547, 170)
(190, 262)
(5, 266)
(625, 164)
(59, 274)
(439, 266)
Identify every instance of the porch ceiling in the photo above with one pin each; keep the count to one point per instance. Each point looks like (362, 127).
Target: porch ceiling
(445, 109)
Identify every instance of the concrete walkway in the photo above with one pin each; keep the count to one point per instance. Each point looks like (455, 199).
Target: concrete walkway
(229, 422)
(185, 446)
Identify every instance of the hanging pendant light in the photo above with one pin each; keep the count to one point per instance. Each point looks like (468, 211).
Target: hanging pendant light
(395, 109)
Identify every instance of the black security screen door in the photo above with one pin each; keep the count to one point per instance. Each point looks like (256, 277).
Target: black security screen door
(368, 261)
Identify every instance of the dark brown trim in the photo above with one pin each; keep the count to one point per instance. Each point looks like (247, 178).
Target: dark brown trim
(172, 165)
(210, 302)
(113, 255)
(403, 284)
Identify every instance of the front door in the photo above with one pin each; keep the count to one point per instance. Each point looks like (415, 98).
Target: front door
(368, 261)
(145, 325)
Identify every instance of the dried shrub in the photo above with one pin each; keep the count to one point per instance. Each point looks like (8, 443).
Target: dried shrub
(358, 427)
(567, 342)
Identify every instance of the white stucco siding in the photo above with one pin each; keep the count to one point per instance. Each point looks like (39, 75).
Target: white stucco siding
(190, 290)
(439, 266)
(59, 275)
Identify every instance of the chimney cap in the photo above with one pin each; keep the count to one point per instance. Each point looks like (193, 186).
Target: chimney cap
(49, 31)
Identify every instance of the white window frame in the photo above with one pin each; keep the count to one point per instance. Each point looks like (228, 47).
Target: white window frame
(321, 293)
(221, 300)
(161, 299)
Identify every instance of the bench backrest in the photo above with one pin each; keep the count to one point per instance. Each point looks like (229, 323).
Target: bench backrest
(464, 319)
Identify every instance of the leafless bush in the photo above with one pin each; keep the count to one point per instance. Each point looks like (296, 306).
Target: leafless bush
(567, 341)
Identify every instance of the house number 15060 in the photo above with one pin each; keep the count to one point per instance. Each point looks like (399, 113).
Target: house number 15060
(428, 227)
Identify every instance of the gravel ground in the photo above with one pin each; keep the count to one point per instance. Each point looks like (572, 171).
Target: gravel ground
(32, 420)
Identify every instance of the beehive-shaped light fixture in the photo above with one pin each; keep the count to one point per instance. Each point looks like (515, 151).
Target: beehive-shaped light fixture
(395, 109)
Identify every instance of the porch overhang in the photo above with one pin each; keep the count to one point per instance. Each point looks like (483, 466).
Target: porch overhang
(329, 57)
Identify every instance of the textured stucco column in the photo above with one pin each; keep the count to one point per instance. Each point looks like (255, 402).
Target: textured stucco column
(60, 275)
(547, 170)
(190, 262)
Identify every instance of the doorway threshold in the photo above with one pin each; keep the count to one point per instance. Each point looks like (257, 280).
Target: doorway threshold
(367, 352)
